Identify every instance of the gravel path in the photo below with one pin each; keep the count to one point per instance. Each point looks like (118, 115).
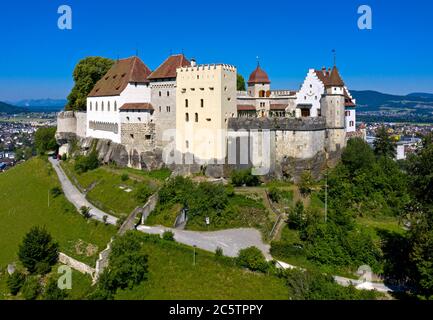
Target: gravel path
(76, 197)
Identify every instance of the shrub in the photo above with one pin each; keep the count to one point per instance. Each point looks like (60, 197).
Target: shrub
(53, 292)
(127, 268)
(64, 157)
(87, 163)
(253, 259)
(219, 252)
(124, 177)
(56, 191)
(31, 288)
(15, 282)
(306, 183)
(168, 235)
(142, 193)
(244, 177)
(43, 267)
(85, 211)
(274, 194)
(37, 247)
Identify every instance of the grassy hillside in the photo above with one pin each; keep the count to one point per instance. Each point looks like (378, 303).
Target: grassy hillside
(24, 192)
(106, 189)
(172, 275)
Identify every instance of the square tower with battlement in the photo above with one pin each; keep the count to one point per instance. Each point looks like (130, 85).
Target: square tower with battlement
(205, 99)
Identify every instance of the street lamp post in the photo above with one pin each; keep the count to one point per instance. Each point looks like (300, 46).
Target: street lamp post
(326, 195)
(193, 259)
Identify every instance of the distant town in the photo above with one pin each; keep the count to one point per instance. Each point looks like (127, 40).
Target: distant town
(17, 136)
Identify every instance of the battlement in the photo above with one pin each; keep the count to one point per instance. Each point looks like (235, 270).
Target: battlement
(204, 67)
(66, 114)
(277, 124)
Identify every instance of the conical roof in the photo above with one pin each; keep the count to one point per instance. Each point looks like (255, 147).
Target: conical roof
(258, 76)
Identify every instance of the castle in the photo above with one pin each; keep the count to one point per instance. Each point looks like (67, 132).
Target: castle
(191, 118)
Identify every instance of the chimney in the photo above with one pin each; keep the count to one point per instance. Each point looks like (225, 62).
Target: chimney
(193, 63)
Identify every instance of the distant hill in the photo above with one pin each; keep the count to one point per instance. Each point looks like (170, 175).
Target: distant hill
(31, 103)
(376, 101)
(10, 109)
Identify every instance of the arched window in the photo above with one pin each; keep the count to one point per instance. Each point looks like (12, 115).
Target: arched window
(186, 117)
(96, 106)
(159, 93)
(102, 106)
(196, 117)
(108, 106)
(202, 103)
(186, 103)
(168, 93)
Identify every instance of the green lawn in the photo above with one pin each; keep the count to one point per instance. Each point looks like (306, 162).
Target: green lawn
(24, 192)
(106, 190)
(172, 275)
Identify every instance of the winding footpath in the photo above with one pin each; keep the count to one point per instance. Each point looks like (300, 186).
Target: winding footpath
(77, 198)
(231, 240)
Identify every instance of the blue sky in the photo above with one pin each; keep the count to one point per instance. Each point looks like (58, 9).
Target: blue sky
(396, 56)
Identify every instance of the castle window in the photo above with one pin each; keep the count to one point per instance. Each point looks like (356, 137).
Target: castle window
(108, 106)
(115, 106)
(202, 103)
(187, 144)
(319, 113)
(127, 118)
(96, 106)
(186, 117)
(168, 93)
(225, 88)
(102, 106)
(186, 103)
(132, 136)
(90, 105)
(159, 108)
(229, 98)
(139, 118)
(311, 85)
(160, 93)
(351, 124)
(196, 117)
(208, 119)
(198, 77)
(168, 108)
(148, 136)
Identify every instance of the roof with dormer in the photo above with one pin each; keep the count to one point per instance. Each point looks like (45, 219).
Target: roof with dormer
(167, 69)
(124, 71)
(258, 76)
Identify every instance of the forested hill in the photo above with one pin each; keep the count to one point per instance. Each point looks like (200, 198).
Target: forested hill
(10, 109)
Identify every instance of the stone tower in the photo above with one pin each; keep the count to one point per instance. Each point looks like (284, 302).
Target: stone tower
(333, 107)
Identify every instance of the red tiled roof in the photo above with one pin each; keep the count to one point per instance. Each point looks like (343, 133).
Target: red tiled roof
(117, 78)
(136, 106)
(258, 76)
(246, 107)
(330, 78)
(278, 106)
(348, 102)
(168, 68)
